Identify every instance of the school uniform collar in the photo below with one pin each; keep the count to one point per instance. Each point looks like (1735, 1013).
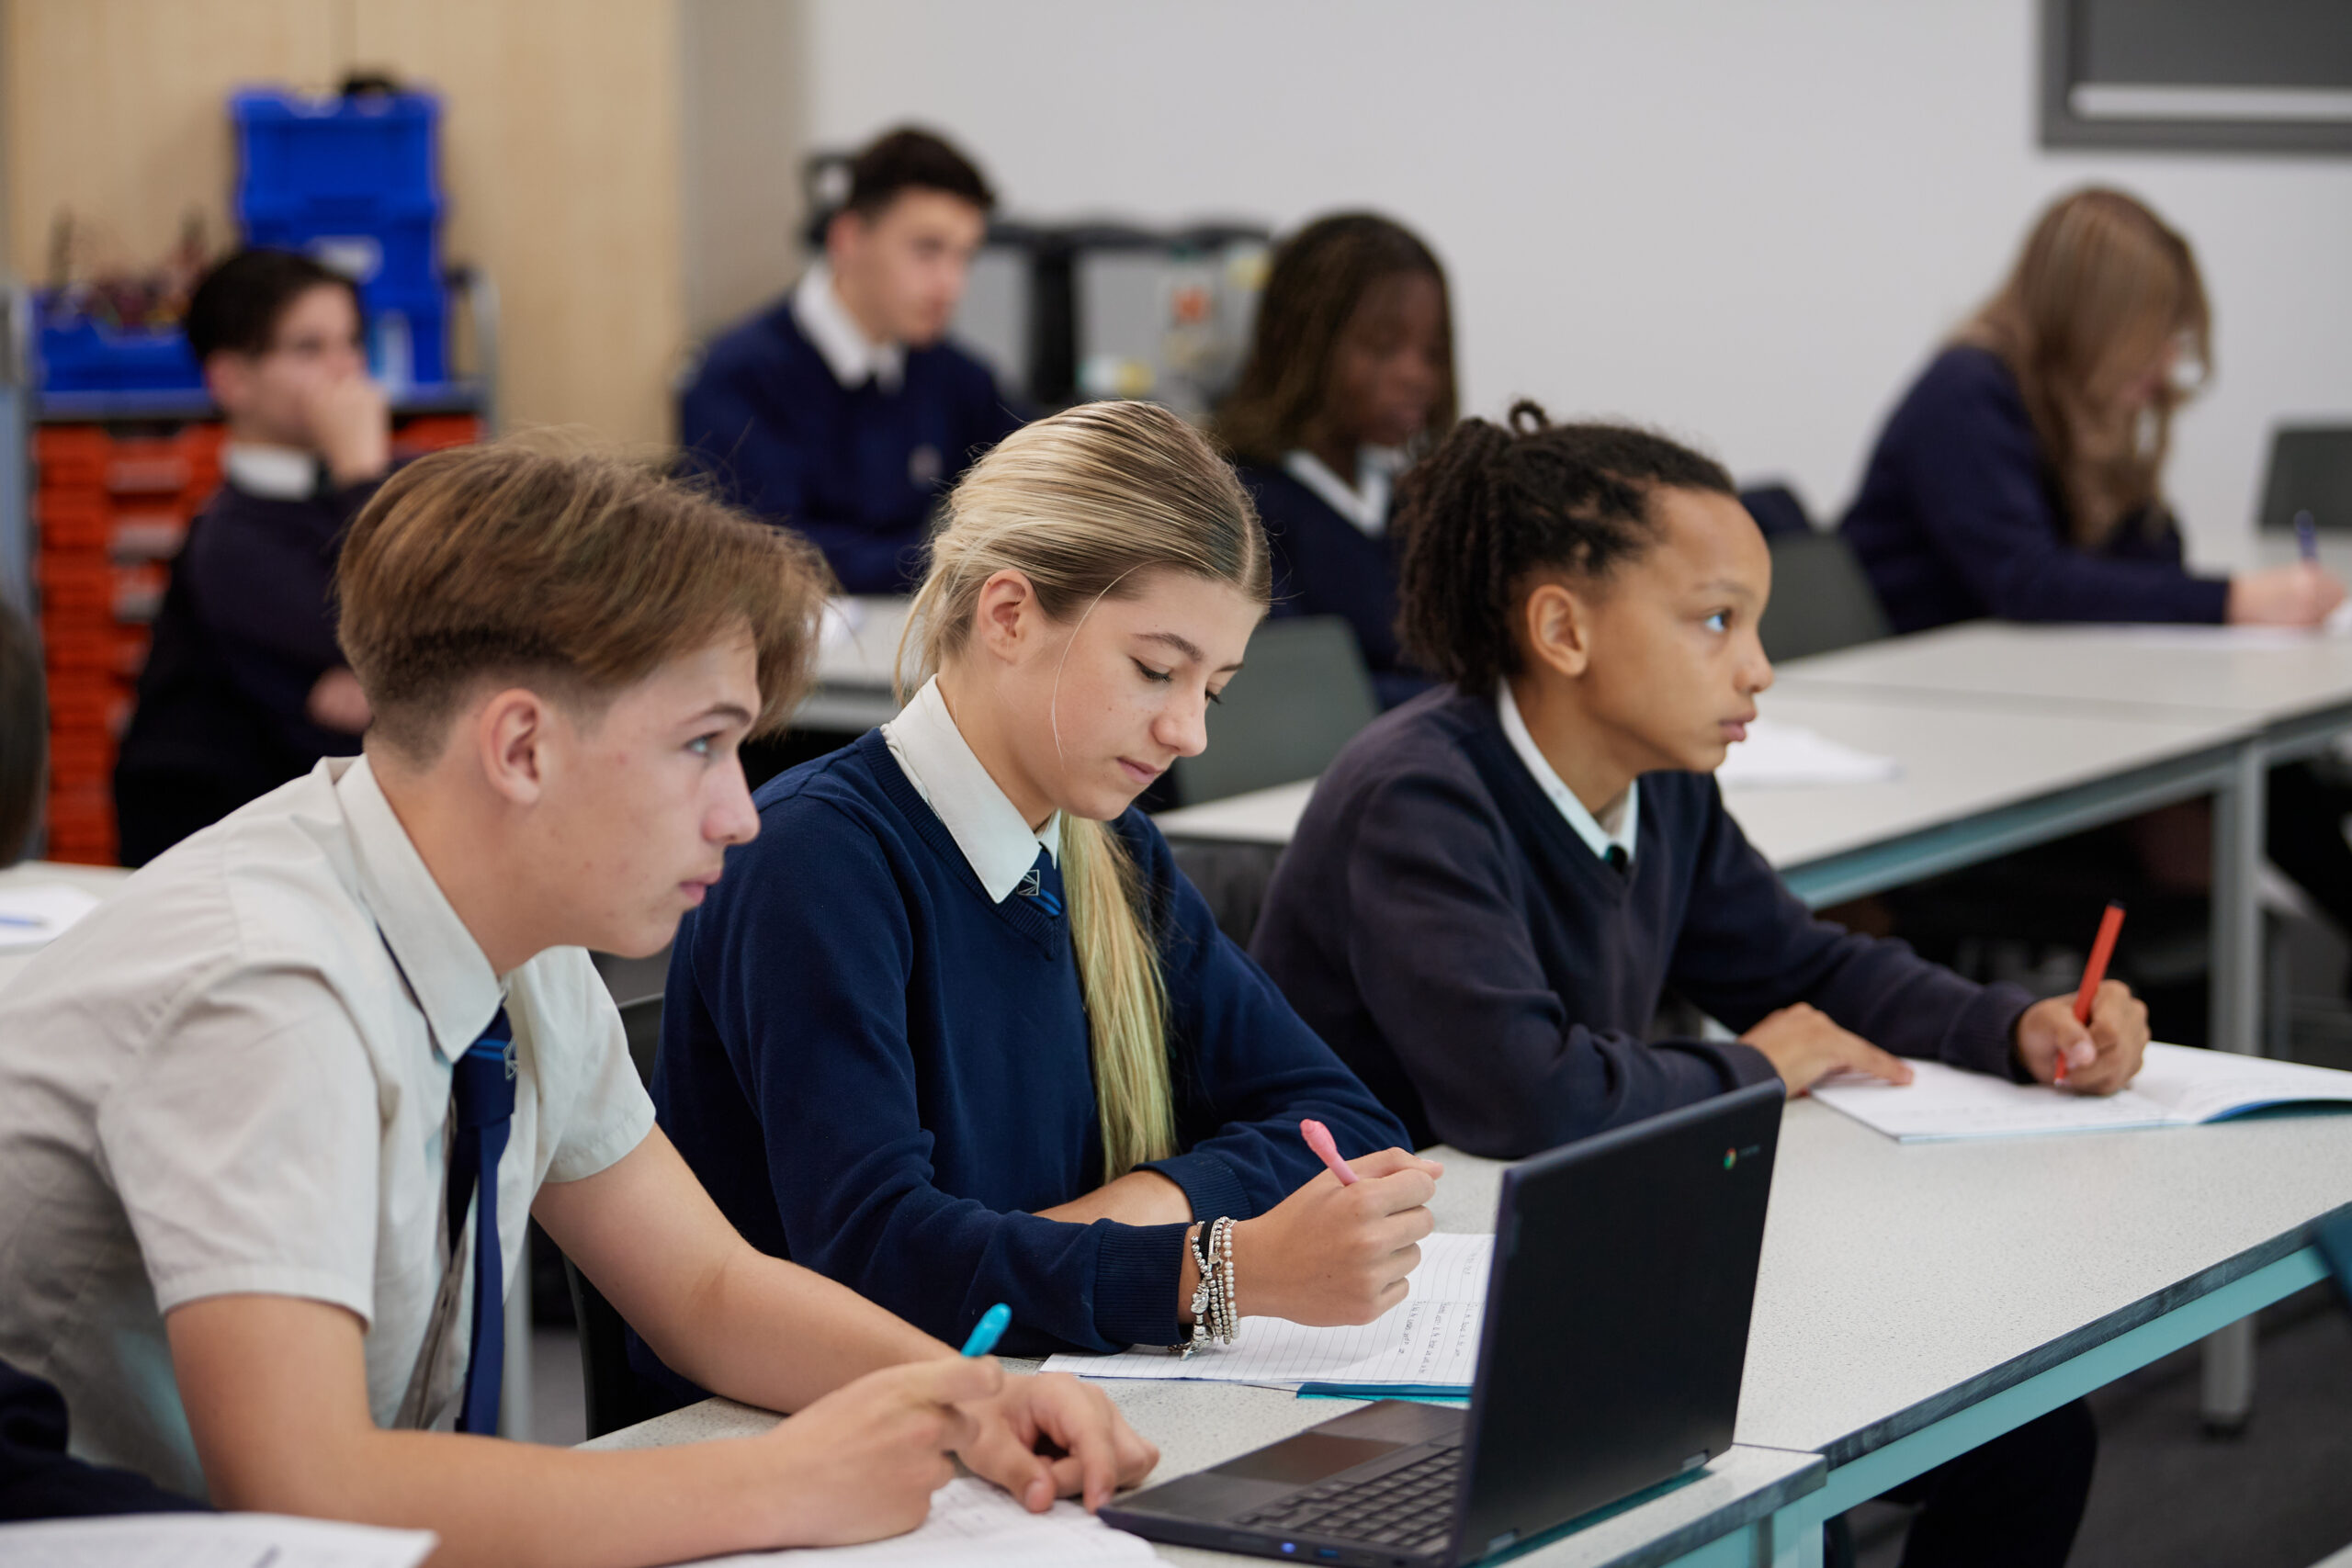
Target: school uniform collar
(1365, 503)
(853, 358)
(997, 842)
(445, 969)
(274, 473)
(1625, 819)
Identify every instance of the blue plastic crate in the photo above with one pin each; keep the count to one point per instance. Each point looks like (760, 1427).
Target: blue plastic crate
(407, 339)
(381, 148)
(78, 355)
(387, 248)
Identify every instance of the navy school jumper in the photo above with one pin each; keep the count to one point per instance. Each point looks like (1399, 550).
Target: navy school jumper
(1440, 922)
(880, 1074)
(1958, 518)
(855, 469)
(1325, 565)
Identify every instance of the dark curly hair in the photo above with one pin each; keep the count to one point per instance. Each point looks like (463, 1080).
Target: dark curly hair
(1319, 276)
(1497, 502)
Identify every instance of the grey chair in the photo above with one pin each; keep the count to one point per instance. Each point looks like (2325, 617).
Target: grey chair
(1301, 695)
(2311, 470)
(1821, 599)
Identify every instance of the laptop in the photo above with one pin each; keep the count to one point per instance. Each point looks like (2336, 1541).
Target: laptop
(1608, 1364)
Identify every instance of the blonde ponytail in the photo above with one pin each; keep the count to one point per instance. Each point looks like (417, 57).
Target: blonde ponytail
(1084, 505)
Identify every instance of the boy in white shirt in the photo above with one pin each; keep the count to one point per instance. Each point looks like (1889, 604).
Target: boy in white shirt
(237, 1103)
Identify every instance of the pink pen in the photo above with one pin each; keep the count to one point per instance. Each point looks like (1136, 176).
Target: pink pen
(1318, 1138)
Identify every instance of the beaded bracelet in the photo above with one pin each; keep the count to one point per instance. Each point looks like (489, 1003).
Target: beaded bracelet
(1215, 1317)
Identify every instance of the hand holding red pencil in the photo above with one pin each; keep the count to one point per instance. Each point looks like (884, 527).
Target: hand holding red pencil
(2092, 1042)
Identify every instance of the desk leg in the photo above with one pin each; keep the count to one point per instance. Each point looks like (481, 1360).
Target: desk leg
(2236, 1025)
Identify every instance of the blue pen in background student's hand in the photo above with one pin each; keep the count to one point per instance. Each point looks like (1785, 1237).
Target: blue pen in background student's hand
(989, 1330)
(2307, 538)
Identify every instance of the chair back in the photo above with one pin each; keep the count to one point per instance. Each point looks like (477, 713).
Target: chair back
(1302, 695)
(2311, 470)
(1822, 600)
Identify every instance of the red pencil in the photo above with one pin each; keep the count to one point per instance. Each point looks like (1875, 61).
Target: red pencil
(2094, 972)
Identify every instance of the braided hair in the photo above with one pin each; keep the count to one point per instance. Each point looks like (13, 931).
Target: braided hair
(1319, 276)
(1497, 502)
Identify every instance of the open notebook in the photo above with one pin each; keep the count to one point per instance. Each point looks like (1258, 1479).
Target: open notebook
(973, 1523)
(2178, 1087)
(1428, 1344)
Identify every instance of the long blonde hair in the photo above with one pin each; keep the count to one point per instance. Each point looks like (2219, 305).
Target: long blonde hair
(1086, 504)
(2102, 284)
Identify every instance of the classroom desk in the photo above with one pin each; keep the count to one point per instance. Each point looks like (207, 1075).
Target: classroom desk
(98, 881)
(854, 666)
(1723, 1519)
(1976, 782)
(1915, 1301)
(1912, 1304)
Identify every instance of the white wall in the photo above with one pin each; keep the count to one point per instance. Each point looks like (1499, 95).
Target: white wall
(1747, 223)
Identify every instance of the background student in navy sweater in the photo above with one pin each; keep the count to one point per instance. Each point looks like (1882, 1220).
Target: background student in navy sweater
(843, 409)
(244, 686)
(1494, 885)
(1350, 376)
(2020, 477)
(954, 1030)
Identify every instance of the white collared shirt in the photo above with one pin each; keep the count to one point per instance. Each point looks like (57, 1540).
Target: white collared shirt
(848, 353)
(274, 473)
(1620, 825)
(223, 1080)
(1365, 503)
(997, 842)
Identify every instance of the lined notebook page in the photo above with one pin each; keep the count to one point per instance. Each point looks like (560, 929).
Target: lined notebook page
(974, 1522)
(2178, 1086)
(208, 1541)
(1430, 1338)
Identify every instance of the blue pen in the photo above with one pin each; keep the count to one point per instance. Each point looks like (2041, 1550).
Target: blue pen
(989, 1330)
(25, 922)
(2307, 538)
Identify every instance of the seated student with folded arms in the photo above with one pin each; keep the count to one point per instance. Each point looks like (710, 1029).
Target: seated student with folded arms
(243, 687)
(843, 410)
(2022, 477)
(1350, 375)
(954, 1030)
(275, 1115)
(1494, 886)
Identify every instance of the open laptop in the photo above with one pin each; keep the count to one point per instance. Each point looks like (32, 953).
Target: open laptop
(1608, 1362)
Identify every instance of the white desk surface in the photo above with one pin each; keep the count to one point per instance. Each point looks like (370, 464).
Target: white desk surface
(1197, 1425)
(1957, 761)
(2258, 676)
(854, 665)
(1901, 1283)
(99, 881)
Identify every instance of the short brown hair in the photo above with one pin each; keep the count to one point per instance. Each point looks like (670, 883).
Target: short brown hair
(911, 158)
(586, 568)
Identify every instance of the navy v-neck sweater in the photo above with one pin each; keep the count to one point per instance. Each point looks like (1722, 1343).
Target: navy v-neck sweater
(879, 1073)
(1492, 978)
(856, 469)
(1958, 517)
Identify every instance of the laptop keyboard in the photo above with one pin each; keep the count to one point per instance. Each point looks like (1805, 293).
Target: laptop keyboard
(1410, 1507)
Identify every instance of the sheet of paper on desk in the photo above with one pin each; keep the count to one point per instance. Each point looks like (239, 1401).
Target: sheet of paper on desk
(208, 1541)
(1784, 756)
(1431, 1339)
(35, 914)
(2178, 1087)
(975, 1523)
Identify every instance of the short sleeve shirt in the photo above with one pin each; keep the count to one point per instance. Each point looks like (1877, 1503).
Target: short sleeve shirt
(234, 1076)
